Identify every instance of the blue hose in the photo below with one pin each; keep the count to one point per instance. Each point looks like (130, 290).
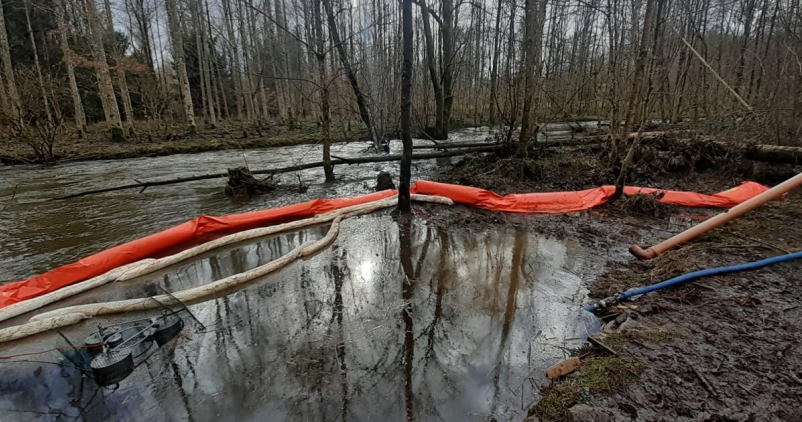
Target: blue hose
(699, 274)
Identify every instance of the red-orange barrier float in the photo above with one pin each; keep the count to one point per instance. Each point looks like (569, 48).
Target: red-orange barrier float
(160, 242)
(563, 202)
(204, 226)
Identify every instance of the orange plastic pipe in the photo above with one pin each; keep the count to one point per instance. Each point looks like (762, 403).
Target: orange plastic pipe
(719, 220)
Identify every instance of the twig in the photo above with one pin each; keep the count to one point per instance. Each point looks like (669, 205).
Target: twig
(769, 245)
(705, 383)
(13, 195)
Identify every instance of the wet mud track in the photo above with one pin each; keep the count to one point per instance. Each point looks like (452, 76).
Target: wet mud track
(724, 348)
(396, 321)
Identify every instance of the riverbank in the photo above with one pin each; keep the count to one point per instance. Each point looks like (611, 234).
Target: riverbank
(719, 328)
(723, 348)
(158, 142)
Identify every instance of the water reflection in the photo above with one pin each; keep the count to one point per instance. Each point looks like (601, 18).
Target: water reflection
(36, 237)
(397, 321)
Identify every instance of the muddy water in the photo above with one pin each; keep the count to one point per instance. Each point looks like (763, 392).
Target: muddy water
(389, 324)
(394, 322)
(36, 236)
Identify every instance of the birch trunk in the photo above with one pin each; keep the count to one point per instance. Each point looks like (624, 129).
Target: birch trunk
(78, 108)
(180, 65)
(105, 86)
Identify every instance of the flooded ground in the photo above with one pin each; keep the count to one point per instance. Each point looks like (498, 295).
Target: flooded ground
(345, 335)
(393, 322)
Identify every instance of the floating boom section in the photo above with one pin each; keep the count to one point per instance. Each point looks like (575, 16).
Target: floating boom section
(204, 228)
(573, 201)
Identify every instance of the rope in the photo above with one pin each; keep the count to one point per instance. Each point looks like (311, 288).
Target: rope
(64, 317)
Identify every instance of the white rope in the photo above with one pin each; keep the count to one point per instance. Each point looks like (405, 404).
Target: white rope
(63, 317)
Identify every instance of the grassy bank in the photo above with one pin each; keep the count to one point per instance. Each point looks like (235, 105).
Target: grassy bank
(158, 142)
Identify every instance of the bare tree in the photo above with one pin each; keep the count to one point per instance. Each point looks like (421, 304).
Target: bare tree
(180, 65)
(404, 201)
(101, 65)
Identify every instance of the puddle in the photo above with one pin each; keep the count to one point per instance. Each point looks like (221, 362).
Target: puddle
(394, 322)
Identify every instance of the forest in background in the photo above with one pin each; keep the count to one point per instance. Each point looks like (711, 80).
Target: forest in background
(140, 66)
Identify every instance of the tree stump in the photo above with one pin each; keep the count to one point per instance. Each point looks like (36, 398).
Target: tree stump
(241, 183)
(384, 181)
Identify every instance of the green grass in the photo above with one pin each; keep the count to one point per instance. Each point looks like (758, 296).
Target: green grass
(596, 375)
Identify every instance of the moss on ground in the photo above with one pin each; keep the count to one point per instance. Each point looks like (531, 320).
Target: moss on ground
(596, 375)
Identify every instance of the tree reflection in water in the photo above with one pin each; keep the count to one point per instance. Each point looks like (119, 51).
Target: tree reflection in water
(447, 319)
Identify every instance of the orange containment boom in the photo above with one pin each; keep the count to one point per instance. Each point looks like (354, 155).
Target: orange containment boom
(205, 227)
(563, 202)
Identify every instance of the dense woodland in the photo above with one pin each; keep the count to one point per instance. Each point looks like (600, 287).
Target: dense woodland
(136, 65)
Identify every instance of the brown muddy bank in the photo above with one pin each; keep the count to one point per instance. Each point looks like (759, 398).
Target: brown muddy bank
(159, 142)
(456, 317)
(723, 348)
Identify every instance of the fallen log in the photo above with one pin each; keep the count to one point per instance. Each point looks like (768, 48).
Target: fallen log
(774, 154)
(765, 153)
(142, 185)
(446, 145)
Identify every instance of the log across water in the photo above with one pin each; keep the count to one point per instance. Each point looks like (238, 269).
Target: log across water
(338, 161)
(767, 153)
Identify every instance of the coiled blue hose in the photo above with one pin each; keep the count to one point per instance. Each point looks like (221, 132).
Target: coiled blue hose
(699, 274)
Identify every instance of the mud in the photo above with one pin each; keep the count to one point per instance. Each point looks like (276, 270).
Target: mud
(732, 352)
(720, 349)
(454, 315)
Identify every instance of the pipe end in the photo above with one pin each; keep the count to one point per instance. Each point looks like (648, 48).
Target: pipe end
(641, 253)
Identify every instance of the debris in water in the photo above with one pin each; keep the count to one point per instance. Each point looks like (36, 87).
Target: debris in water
(384, 181)
(241, 183)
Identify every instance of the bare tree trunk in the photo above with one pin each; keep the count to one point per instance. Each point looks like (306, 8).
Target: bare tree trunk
(119, 69)
(234, 59)
(36, 63)
(10, 87)
(80, 116)
(642, 61)
(747, 16)
(494, 66)
(125, 94)
(439, 100)
(105, 86)
(533, 30)
(180, 65)
(404, 202)
(207, 68)
(247, 85)
(448, 63)
(361, 102)
(637, 76)
(325, 109)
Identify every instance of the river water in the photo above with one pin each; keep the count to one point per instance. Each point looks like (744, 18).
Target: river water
(393, 322)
